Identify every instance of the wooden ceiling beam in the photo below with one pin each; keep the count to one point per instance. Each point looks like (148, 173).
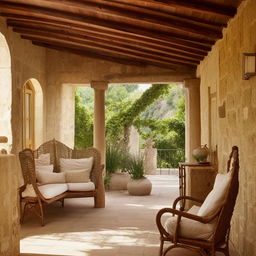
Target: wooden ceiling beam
(139, 6)
(103, 45)
(147, 43)
(186, 5)
(107, 40)
(79, 44)
(120, 22)
(155, 37)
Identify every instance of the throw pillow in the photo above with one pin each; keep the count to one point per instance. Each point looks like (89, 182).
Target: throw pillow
(44, 168)
(82, 164)
(216, 197)
(50, 177)
(77, 176)
(43, 159)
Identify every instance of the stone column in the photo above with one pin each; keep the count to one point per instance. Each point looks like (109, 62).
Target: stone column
(192, 123)
(99, 116)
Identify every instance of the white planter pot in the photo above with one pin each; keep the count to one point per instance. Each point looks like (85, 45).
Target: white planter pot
(140, 187)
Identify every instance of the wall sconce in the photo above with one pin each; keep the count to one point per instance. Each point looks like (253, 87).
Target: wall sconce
(249, 65)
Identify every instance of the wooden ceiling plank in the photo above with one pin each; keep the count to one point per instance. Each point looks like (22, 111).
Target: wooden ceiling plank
(121, 11)
(118, 22)
(143, 42)
(112, 50)
(139, 6)
(187, 5)
(159, 39)
(124, 44)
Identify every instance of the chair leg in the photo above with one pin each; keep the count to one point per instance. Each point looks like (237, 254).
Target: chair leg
(41, 213)
(22, 211)
(161, 247)
(62, 202)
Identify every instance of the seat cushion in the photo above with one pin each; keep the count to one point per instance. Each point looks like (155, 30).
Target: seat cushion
(85, 186)
(216, 197)
(52, 190)
(29, 191)
(190, 228)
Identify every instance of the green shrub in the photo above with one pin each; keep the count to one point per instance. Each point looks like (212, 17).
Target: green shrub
(113, 159)
(134, 166)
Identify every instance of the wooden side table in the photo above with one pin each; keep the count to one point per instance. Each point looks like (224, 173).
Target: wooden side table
(197, 188)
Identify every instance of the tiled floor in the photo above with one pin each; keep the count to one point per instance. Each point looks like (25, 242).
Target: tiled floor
(125, 227)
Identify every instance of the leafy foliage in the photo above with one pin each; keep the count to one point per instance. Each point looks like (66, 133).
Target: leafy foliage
(134, 166)
(121, 120)
(113, 159)
(83, 125)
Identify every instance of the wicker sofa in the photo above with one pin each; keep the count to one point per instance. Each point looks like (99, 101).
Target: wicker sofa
(33, 195)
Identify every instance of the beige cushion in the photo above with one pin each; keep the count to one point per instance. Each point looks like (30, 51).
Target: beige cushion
(43, 159)
(190, 228)
(216, 197)
(86, 186)
(51, 190)
(29, 191)
(44, 168)
(50, 177)
(82, 164)
(77, 176)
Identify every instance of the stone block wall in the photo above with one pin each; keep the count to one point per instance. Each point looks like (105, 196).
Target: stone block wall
(221, 75)
(9, 213)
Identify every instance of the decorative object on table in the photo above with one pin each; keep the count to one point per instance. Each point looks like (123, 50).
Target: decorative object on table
(3, 139)
(138, 185)
(201, 153)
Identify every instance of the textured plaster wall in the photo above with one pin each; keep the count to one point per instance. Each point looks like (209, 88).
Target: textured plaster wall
(65, 71)
(221, 71)
(27, 61)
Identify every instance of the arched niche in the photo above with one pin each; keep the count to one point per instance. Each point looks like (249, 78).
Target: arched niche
(33, 128)
(5, 93)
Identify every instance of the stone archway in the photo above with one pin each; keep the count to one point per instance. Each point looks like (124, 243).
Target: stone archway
(6, 93)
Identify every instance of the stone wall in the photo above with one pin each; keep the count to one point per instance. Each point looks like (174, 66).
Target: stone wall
(222, 86)
(9, 214)
(27, 61)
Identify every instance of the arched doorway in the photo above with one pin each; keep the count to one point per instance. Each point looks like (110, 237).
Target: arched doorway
(32, 114)
(5, 93)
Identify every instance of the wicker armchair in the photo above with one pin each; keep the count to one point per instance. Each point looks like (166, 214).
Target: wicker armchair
(218, 221)
(58, 150)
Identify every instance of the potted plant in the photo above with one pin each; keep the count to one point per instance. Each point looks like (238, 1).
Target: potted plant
(138, 185)
(115, 179)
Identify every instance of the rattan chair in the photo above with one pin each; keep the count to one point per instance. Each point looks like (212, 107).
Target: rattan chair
(219, 238)
(58, 150)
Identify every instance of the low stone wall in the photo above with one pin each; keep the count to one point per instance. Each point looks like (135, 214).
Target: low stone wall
(9, 213)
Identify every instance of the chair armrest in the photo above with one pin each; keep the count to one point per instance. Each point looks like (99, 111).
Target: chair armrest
(186, 198)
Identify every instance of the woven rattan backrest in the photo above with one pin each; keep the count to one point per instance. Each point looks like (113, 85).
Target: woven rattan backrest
(47, 147)
(28, 166)
(228, 208)
(61, 151)
(96, 168)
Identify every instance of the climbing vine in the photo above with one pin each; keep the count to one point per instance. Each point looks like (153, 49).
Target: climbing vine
(119, 123)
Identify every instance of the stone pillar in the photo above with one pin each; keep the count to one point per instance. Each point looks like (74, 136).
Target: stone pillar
(99, 117)
(150, 158)
(192, 123)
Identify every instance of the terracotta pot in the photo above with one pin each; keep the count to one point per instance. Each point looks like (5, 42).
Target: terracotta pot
(140, 187)
(119, 181)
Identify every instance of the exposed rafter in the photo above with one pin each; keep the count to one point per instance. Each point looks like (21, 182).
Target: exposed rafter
(165, 33)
